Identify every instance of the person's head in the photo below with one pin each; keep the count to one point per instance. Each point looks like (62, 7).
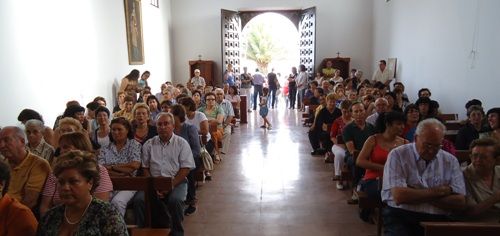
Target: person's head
(424, 106)
(72, 103)
(74, 141)
(330, 101)
(475, 113)
(484, 154)
(167, 95)
(361, 91)
(313, 84)
(12, 143)
(197, 96)
(337, 72)
(153, 103)
(69, 124)
(329, 64)
(102, 115)
(145, 75)
(128, 103)
(91, 107)
(392, 122)
(424, 92)
(245, 69)
(28, 114)
(399, 85)
(382, 64)
(352, 95)
(358, 112)
(165, 105)
(325, 85)
(219, 95)
(34, 132)
(210, 99)
(146, 94)
(133, 75)
(188, 104)
(345, 108)
(367, 100)
(77, 175)
(302, 68)
(339, 90)
(76, 111)
(358, 74)
(233, 90)
(412, 113)
(473, 102)
(381, 105)
(141, 113)
(4, 178)
(265, 91)
(428, 138)
(165, 124)
(493, 115)
(121, 97)
(230, 67)
(100, 100)
(294, 70)
(179, 113)
(318, 92)
(352, 73)
(391, 99)
(121, 130)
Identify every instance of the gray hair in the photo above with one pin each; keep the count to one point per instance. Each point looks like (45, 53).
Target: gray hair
(36, 123)
(428, 123)
(168, 114)
(382, 100)
(17, 132)
(219, 90)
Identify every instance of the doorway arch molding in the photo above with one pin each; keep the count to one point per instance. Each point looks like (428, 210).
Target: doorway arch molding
(293, 15)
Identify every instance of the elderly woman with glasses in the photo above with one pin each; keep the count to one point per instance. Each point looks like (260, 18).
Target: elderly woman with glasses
(215, 116)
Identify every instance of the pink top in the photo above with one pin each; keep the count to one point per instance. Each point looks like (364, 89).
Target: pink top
(50, 188)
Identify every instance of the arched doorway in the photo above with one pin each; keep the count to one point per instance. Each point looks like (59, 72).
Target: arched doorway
(232, 23)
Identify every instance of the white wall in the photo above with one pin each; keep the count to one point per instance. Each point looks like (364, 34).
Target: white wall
(342, 25)
(53, 51)
(432, 41)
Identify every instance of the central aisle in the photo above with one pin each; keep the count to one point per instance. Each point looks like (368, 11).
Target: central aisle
(269, 184)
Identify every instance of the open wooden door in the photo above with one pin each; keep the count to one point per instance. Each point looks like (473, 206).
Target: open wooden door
(230, 36)
(307, 34)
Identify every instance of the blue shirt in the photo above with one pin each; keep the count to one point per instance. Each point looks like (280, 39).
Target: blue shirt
(405, 168)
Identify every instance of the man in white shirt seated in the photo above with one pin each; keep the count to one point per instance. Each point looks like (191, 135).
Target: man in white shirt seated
(169, 155)
(383, 74)
(421, 182)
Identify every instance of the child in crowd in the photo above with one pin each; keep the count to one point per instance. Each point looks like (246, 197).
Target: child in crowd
(263, 108)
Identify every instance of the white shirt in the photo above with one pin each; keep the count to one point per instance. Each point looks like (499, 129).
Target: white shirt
(405, 168)
(197, 81)
(372, 119)
(302, 80)
(197, 119)
(166, 159)
(383, 76)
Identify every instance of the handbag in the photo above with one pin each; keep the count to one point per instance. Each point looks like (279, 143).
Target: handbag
(208, 163)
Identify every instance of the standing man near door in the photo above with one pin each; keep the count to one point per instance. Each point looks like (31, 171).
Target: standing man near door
(301, 87)
(246, 86)
(383, 74)
(258, 83)
(272, 81)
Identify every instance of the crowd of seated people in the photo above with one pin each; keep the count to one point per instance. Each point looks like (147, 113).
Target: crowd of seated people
(60, 181)
(400, 154)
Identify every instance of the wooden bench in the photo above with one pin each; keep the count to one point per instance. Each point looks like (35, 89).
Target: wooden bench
(453, 125)
(149, 185)
(365, 202)
(451, 135)
(460, 228)
(448, 117)
(346, 173)
(463, 156)
(148, 232)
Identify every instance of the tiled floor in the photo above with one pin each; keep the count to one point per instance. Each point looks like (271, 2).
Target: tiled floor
(269, 184)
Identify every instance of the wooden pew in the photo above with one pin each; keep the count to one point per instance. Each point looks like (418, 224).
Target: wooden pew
(463, 156)
(453, 125)
(451, 135)
(149, 232)
(448, 117)
(460, 228)
(148, 185)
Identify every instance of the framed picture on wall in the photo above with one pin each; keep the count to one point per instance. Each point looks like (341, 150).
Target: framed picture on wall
(133, 20)
(392, 64)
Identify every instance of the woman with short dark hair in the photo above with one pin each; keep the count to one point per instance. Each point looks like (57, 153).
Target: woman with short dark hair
(80, 213)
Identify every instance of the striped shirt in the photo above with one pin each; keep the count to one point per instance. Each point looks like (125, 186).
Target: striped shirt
(405, 168)
(43, 150)
(50, 188)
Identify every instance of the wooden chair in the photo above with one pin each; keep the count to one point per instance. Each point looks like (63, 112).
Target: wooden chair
(368, 203)
(347, 174)
(460, 228)
(448, 117)
(148, 185)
